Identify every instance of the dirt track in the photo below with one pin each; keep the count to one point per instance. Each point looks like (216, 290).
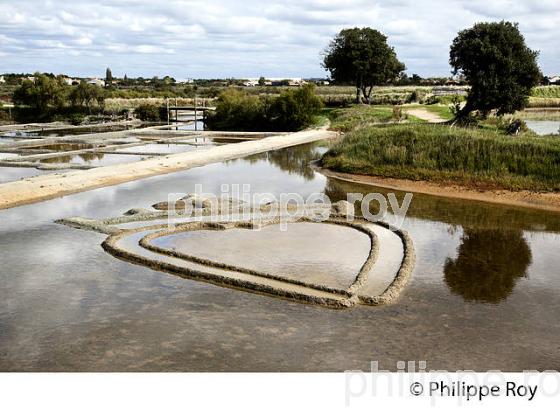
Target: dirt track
(425, 115)
(45, 187)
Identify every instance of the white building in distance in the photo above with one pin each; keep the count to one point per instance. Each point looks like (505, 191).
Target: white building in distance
(292, 81)
(96, 81)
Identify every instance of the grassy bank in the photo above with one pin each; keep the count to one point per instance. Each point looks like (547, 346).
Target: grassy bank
(485, 159)
(360, 116)
(346, 119)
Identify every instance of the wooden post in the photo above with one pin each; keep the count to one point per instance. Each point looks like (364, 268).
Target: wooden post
(195, 115)
(167, 107)
(176, 115)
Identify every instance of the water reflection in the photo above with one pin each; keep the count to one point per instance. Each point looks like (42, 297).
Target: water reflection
(455, 212)
(293, 160)
(86, 157)
(67, 305)
(60, 147)
(488, 265)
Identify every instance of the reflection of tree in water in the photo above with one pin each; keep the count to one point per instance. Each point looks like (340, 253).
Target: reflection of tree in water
(335, 190)
(293, 160)
(488, 265)
(65, 159)
(66, 147)
(90, 156)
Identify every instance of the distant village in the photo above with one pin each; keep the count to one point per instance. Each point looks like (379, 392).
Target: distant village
(109, 81)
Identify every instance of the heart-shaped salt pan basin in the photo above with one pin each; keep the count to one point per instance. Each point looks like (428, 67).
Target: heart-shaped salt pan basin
(324, 254)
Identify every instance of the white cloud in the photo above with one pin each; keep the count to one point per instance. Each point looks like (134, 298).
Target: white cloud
(222, 38)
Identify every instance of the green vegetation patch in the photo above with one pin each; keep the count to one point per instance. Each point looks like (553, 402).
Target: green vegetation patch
(444, 111)
(292, 110)
(544, 102)
(482, 158)
(346, 119)
(551, 91)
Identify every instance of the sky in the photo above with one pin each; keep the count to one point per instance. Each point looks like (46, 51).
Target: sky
(247, 38)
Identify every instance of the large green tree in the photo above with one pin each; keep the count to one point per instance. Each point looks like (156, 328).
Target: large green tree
(497, 64)
(87, 95)
(41, 93)
(361, 56)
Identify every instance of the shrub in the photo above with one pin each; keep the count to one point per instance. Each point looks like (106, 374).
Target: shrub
(76, 118)
(148, 112)
(4, 115)
(294, 109)
(510, 126)
(516, 126)
(237, 110)
(398, 114)
(416, 96)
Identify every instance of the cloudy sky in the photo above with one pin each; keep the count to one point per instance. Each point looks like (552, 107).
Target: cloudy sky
(246, 38)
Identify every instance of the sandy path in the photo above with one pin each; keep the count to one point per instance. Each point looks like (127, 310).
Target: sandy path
(538, 200)
(425, 115)
(51, 186)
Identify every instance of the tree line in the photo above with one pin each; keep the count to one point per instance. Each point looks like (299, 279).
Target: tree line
(492, 57)
(47, 92)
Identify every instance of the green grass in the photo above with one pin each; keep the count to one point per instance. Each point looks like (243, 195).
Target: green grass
(544, 102)
(551, 91)
(443, 111)
(345, 119)
(320, 120)
(480, 158)
(537, 114)
(361, 115)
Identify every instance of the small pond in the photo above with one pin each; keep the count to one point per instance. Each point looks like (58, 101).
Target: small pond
(542, 127)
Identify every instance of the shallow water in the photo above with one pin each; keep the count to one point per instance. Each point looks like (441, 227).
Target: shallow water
(62, 147)
(484, 294)
(9, 174)
(294, 253)
(92, 158)
(17, 135)
(8, 155)
(69, 131)
(542, 127)
(199, 126)
(161, 148)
